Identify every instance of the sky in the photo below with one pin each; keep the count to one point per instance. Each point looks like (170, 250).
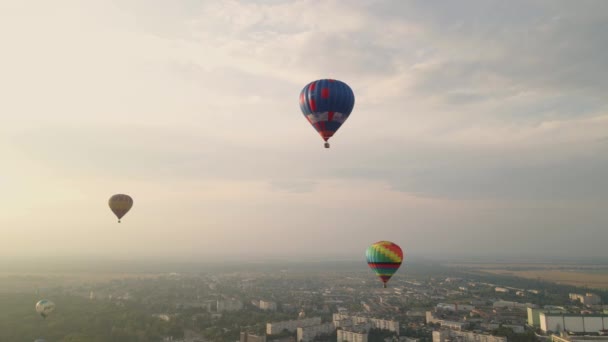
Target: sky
(480, 128)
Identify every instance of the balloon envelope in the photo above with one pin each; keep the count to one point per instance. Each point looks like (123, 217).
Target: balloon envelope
(326, 104)
(120, 204)
(385, 258)
(45, 307)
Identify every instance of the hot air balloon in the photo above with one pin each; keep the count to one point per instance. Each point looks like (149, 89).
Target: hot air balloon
(384, 257)
(326, 104)
(120, 205)
(45, 307)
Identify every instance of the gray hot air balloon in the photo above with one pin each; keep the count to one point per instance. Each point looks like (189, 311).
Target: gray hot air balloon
(120, 204)
(45, 307)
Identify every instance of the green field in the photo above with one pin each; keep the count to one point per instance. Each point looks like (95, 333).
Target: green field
(591, 276)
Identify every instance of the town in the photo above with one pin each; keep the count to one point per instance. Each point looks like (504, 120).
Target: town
(351, 306)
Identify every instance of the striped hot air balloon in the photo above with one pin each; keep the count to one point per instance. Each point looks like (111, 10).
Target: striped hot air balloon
(326, 104)
(385, 258)
(120, 204)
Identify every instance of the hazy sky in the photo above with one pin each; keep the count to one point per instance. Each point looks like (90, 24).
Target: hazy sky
(480, 127)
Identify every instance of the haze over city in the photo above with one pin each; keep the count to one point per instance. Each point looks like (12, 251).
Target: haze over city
(479, 128)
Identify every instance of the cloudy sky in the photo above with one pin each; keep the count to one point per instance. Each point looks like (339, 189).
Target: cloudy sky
(480, 128)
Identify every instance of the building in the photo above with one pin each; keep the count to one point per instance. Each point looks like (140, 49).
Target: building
(282, 339)
(207, 305)
(266, 305)
(307, 334)
(444, 323)
(534, 314)
(229, 305)
(408, 339)
(501, 290)
(464, 336)
(552, 322)
(345, 320)
(454, 307)
(534, 317)
(163, 317)
(271, 306)
(415, 313)
(452, 279)
(247, 337)
(518, 329)
(574, 338)
(508, 304)
(452, 325)
(587, 299)
(291, 326)
(351, 336)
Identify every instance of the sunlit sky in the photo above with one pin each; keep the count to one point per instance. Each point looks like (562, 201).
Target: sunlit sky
(480, 128)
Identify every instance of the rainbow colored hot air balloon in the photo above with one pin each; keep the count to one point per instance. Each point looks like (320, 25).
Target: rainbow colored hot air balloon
(326, 104)
(120, 204)
(385, 258)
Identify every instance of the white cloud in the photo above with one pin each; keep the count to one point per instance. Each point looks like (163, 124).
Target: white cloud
(482, 99)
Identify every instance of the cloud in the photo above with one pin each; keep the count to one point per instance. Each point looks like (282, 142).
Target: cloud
(548, 47)
(293, 186)
(485, 112)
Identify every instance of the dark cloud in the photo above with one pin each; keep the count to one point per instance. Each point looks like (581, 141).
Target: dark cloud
(548, 46)
(491, 173)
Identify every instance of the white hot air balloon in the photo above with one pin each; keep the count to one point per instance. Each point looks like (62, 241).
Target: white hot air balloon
(45, 307)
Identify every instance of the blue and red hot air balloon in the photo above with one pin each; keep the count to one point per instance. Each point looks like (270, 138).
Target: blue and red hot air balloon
(326, 104)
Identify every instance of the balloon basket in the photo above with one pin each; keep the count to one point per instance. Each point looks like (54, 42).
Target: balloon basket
(326, 145)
